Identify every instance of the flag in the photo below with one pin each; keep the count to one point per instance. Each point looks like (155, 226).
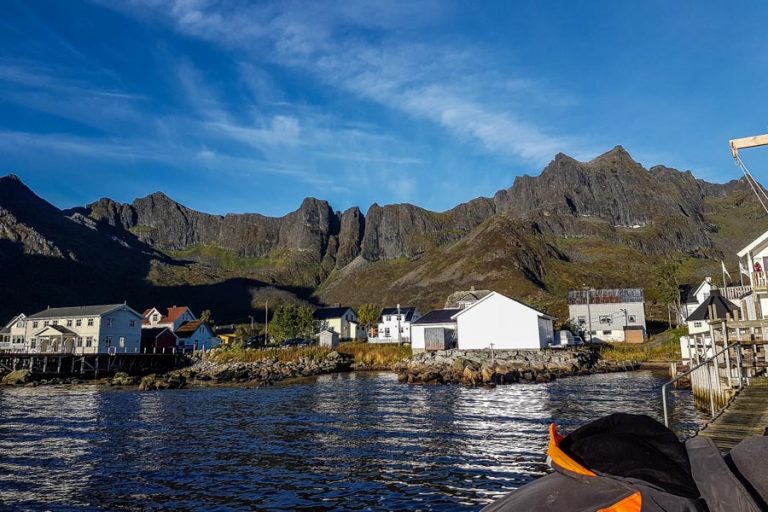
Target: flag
(743, 269)
(725, 272)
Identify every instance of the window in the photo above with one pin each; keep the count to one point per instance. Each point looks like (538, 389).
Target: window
(45, 323)
(79, 342)
(582, 320)
(90, 322)
(34, 324)
(108, 341)
(605, 320)
(606, 333)
(33, 343)
(69, 323)
(121, 342)
(154, 318)
(132, 323)
(21, 324)
(632, 319)
(78, 322)
(386, 332)
(697, 324)
(89, 341)
(109, 322)
(389, 318)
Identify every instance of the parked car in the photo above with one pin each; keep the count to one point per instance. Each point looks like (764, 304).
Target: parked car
(566, 338)
(297, 342)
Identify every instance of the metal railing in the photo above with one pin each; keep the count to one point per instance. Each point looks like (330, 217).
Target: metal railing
(710, 388)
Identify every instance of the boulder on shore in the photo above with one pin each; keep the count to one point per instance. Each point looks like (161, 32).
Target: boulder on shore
(17, 378)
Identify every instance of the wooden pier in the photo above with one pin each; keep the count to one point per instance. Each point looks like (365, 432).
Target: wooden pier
(744, 416)
(91, 365)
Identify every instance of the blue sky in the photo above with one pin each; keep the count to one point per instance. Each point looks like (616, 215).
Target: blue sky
(249, 107)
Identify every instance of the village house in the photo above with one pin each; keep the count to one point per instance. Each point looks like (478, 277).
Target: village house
(395, 324)
(714, 307)
(434, 331)
(691, 296)
(462, 299)
(609, 315)
(173, 318)
(101, 329)
(498, 322)
(12, 334)
(158, 340)
(341, 320)
(196, 335)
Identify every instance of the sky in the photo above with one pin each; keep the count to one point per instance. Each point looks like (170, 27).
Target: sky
(233, 106)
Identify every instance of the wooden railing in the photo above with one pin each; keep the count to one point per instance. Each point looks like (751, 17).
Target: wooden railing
(760, 279)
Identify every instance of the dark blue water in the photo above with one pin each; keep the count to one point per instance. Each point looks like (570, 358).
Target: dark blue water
(342, 442)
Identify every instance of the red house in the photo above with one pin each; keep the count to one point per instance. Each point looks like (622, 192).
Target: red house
(157, 339)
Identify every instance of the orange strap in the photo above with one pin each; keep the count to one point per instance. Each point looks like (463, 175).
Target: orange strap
(561, 458)
(632, 503)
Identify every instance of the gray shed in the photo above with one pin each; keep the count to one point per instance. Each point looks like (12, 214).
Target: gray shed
(329, 339)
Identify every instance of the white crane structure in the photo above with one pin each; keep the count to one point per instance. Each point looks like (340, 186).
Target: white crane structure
(745, 143)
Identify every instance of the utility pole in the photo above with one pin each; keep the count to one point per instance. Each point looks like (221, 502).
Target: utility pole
(398, 324)
(266, 321)
(589, 314)
(251, 317)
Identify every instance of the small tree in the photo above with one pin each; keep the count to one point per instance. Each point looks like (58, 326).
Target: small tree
(668, 284)
(368, 315)
(205, 316)
(292, 321)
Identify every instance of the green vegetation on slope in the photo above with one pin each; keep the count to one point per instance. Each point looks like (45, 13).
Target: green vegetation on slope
(225, 259)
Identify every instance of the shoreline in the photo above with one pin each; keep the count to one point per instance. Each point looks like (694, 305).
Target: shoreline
(453, 367)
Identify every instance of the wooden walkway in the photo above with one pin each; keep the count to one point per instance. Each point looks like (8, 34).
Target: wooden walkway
(745, 416)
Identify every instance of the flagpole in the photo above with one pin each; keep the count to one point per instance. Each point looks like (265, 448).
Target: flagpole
(722, 264)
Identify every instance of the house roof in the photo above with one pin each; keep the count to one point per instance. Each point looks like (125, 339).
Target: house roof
(75, 311)
(606, 296)
(13, 321)
(722, 307)
(494, 294)
(58, 328)
(438, 316)
(188, 328)
(408, 312)
(328, 313)
(173, 314)
(465, 295)
(762, 238)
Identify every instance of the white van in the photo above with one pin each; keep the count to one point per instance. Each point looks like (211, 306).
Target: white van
(566, 338)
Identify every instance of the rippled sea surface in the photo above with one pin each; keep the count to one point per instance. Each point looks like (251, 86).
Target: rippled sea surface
(342, 442)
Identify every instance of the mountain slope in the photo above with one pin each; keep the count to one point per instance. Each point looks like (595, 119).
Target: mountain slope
(607, 222)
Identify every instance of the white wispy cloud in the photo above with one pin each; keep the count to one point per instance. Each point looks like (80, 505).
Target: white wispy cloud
(437, 82)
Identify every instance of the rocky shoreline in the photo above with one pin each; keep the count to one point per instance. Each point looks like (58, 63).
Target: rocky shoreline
(483, 368)
(471, 368)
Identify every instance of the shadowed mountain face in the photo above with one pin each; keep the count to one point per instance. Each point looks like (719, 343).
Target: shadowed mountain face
(606, 222)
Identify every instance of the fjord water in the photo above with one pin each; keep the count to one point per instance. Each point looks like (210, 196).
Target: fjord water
(356, 441)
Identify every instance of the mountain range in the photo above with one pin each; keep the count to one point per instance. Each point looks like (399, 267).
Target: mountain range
(608, 222)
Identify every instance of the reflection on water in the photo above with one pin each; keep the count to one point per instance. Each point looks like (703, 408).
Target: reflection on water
(339, 442)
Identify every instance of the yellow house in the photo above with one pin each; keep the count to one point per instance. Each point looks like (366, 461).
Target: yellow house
(228, 339)
(341, 320)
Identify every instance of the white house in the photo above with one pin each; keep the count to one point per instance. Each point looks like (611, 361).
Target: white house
(502, 323)
(12, 334)
(434, 331)
(464, 298)
(608, 315)
(692, 297)
(395, 323)
(698, 322)
(98, 329)
(173, 318)
(754, 259)
(196, 335)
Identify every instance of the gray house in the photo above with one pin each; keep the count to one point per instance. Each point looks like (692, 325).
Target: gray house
(609, 315)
